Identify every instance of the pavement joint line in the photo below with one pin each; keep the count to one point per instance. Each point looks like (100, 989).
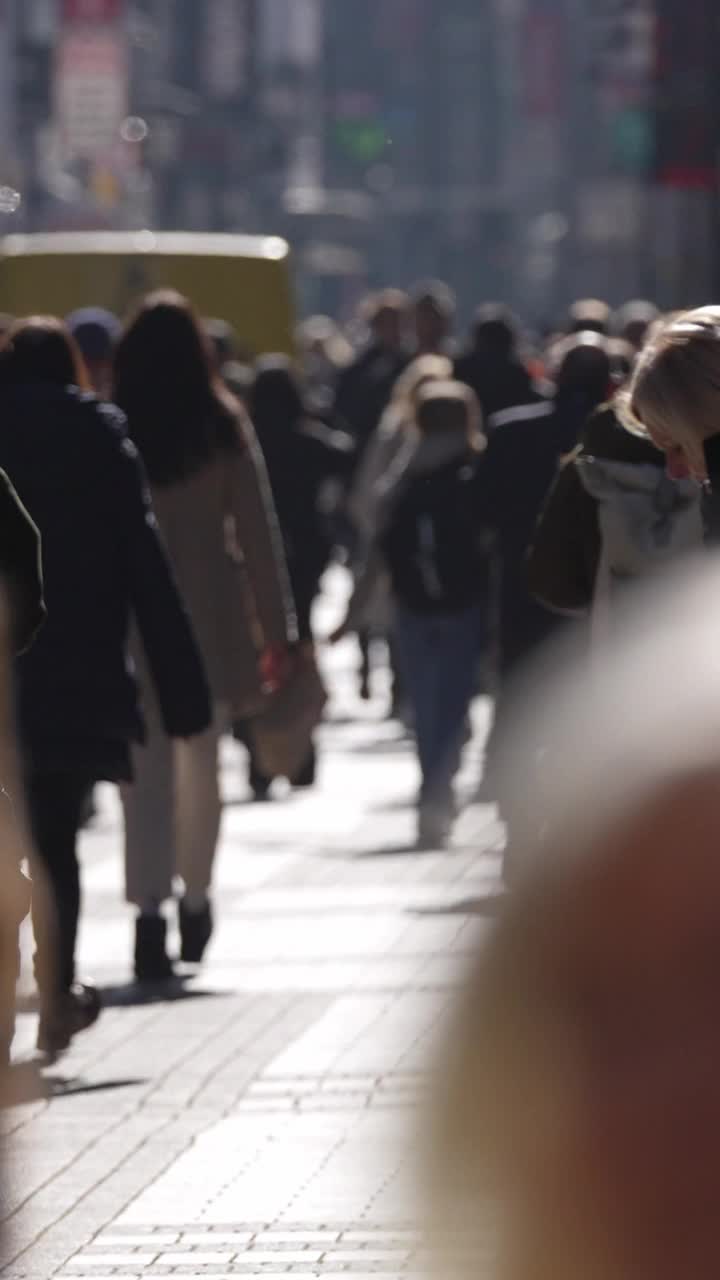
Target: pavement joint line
(289, 1007)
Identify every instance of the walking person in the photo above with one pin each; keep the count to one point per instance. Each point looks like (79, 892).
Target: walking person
(431, 541)
(645, 486)
(525, 448)
(22, 614)
(387, 451)
(364, 390)
(390, 439)
(614, 515)
(216, 516)
(324, 353)
(433, 316)
(78, 712)
(307, 464)
(364, 387)
(491, 364)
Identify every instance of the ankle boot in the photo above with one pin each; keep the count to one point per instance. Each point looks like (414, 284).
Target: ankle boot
(152, 962)
(195, 932)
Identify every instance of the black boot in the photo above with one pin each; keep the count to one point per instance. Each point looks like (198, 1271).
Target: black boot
(308, 774)
(64, 1014)
(152, 962)
(195, 932)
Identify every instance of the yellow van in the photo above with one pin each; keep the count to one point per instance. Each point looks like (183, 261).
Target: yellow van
(242, 279)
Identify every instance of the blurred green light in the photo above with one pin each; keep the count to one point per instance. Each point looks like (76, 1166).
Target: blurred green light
(632, 138)
(362, 140)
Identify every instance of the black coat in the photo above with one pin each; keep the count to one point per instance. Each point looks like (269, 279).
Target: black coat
(364, 390)
(498, 384)
(81, 480)
(303, 459)
(525, 446)
(20, 568)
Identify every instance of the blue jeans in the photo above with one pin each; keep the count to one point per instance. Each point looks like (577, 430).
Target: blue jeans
(438, 656)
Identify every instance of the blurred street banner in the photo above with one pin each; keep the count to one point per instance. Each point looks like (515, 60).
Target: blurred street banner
(228, 47)
(91, 79)
(544, 61)
(687, 93)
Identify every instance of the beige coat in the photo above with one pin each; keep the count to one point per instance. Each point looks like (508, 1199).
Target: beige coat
(224, 542)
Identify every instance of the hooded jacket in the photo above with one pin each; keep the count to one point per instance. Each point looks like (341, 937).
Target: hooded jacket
(613, 516)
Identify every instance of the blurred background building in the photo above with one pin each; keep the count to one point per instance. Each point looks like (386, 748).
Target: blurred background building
(529, 150)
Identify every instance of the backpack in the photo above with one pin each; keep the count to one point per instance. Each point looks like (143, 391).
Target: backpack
(432, 541)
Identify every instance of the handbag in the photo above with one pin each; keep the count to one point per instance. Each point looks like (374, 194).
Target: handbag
(282, 732)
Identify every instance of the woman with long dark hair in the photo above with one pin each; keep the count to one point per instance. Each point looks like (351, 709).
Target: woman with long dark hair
(216, 515)
(80, 478)
(308, 464)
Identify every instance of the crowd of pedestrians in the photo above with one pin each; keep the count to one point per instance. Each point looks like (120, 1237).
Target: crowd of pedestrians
(170, 511)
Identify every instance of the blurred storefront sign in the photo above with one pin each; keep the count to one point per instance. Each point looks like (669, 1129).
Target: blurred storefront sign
(91, 87)
(91, 90)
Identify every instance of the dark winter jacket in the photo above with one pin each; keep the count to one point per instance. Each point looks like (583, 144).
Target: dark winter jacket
(304, 459)
(364, 390)
(434, 543)
(525, 445)
(20, 568)
(80, 478)
(499, 384)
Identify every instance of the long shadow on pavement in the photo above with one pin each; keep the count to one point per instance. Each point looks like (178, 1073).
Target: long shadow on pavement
(486, 905)
(130, 994)
(378, 746)
(26, 1083)
(392, 851)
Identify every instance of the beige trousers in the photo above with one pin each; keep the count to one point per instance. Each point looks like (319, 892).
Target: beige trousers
(172, 812)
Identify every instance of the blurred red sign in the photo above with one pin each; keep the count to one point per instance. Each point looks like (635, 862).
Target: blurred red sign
(687, 96)
(91, 90)
(92, 10)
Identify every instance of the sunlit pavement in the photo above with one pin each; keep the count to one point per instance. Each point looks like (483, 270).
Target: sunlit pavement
(258, 1118)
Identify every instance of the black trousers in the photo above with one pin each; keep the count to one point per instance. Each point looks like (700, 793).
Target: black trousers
(55, 806)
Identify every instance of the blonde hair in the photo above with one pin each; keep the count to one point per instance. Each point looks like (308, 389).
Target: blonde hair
(674, 393)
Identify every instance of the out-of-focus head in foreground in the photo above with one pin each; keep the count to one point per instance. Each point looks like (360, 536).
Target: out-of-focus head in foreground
(577, 1116)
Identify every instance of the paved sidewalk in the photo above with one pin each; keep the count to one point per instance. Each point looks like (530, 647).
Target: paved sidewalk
(258, 1117)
